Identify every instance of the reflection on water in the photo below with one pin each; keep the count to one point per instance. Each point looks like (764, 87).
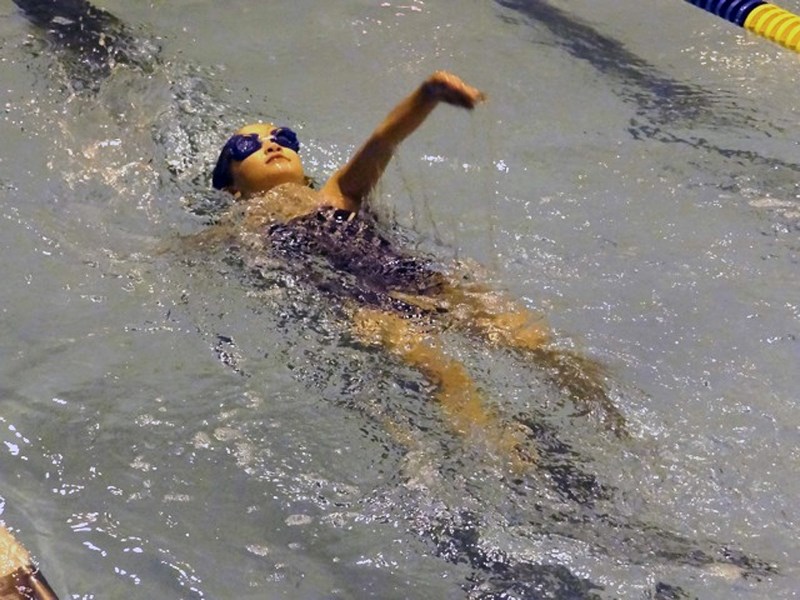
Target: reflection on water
(662, 99)
(174, 426)
(668, 110)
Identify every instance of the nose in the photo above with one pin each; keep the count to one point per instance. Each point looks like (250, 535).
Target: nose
(272, 146)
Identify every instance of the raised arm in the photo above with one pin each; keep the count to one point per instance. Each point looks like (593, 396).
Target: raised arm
(350, 185)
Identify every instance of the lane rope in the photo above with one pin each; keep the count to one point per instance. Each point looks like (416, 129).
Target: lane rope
(763, 18)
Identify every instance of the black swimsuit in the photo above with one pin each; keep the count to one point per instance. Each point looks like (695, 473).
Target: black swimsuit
(352, 259)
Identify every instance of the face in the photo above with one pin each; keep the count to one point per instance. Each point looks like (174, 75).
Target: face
(270, 165)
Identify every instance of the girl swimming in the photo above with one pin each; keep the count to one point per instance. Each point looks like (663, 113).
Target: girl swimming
(396, 300)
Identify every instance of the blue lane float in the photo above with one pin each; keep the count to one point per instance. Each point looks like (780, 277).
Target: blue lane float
(735, 11)
(763, 18)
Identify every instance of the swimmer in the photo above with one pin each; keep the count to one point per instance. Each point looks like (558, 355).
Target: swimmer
(20, 579)
(397, 301)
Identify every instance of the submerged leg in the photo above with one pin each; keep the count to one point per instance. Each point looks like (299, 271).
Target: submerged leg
(506, 323)
(456, 392)
(19, 578)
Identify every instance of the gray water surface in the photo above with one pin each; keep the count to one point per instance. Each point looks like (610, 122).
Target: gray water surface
(173, 428)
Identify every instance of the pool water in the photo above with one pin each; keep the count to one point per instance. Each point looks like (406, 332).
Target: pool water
(174, 427)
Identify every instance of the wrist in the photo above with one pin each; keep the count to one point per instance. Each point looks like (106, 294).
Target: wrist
(431, 90)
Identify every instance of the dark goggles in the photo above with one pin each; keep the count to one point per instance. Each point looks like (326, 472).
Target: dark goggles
(239, 147)
(242, 146)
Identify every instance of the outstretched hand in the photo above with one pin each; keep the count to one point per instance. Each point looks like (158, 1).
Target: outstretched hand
(349, 186)
(449, 88)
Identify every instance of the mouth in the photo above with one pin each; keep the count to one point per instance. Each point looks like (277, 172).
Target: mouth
(276, 157)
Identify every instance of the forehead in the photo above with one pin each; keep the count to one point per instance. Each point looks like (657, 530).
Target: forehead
(261, 129)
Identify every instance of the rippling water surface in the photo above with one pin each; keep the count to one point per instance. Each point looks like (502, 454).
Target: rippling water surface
(174, 428)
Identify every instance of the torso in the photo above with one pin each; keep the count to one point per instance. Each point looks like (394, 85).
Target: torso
(358, 263)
